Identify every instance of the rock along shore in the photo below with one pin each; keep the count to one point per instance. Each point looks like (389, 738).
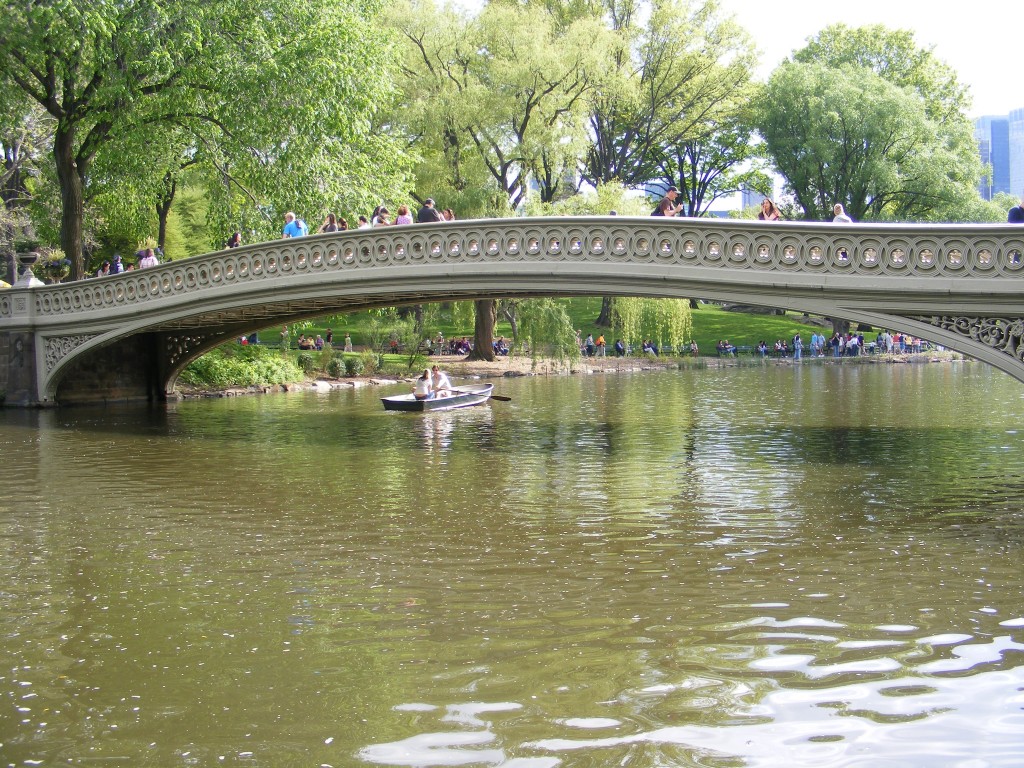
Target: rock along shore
(460, 368)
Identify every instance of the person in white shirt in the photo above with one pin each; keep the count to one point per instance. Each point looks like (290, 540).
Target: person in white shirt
(840, 215)
(440, 384)
(421, 389)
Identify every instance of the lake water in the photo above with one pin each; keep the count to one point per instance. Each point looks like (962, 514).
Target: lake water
(779, 566)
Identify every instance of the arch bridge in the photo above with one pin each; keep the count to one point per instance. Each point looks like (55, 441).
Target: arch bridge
(128, 336)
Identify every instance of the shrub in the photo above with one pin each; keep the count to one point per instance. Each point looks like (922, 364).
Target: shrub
(326, 356)
(235, 366)
(306, 362)
(336, 368)
(353, 366)
(371, 362)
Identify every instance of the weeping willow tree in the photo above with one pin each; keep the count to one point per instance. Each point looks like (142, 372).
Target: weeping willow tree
(664, 321)
(546, 328)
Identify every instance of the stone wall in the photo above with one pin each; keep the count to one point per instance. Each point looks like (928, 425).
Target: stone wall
(5, 361)
(17, 368)
(127, 371)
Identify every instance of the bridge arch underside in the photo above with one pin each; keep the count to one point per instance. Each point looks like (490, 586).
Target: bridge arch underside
(140, 357)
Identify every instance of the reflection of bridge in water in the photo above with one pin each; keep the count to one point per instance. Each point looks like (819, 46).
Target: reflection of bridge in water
(128, 336)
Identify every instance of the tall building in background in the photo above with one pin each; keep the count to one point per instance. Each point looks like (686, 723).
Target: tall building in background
(994, 145)
(1016, 152)
(750, 198)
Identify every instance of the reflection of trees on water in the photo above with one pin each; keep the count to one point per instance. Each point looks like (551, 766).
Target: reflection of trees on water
(374, 559)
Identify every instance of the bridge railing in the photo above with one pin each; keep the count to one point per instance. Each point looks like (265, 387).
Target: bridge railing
(896, 251)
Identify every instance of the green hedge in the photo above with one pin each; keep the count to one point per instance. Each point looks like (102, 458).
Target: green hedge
(233, 365)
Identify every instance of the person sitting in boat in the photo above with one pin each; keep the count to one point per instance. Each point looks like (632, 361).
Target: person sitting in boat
(440, 384)
(421, 389)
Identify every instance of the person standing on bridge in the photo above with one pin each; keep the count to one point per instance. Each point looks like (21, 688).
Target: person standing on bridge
(403, 217)
(1016, 214)
(294, 227)
(769, 211)
(668, 206)
(840, 216)
(428, 214)
(330, 224)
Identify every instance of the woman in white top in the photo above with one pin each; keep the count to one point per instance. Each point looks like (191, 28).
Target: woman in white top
(421, 389)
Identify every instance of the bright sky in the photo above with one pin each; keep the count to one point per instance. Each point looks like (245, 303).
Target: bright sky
(980, 40)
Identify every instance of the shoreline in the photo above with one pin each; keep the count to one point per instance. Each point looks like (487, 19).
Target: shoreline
(458, 367)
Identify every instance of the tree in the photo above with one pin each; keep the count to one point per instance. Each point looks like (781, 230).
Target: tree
(875, 123)
(893, 55)
(848, 136)
(674, 78)
(23, 132)
(507, 88)
(716, 165)
(666, 321)
(600, 202)
(282, 87)
(504, 92)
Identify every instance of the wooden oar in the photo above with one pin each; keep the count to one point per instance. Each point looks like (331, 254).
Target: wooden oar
(493, 397)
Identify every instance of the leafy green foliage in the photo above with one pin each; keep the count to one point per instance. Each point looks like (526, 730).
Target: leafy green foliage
(676, 74)
(306, 362)
(864, 118)
(336, 368)
(850, 137)
(547, 330)
(275, 96)
(236, 365)
(497, 97)
(353, 366)
(665, 321)
(894, 56)
(608, 197)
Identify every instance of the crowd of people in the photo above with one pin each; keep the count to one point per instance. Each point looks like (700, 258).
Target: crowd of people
(144, 258)
(428, 213)
(671, 205)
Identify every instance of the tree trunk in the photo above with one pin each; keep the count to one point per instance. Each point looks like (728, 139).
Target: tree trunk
(840, 326)
(510, 309)
(604, 320)
(163, 209)
(483, 330)
(69, 176)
